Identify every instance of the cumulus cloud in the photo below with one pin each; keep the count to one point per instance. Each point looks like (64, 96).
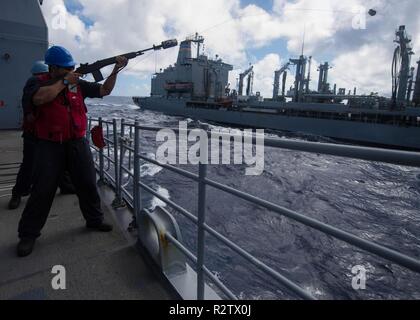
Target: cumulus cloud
(367, 68)
(264, 74)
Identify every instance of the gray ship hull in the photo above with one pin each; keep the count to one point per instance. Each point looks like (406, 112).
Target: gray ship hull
(23, 40)
(366, 133)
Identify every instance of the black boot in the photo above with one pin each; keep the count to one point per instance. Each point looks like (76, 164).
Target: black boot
(104, 227)
(25, 246)
(14, 201)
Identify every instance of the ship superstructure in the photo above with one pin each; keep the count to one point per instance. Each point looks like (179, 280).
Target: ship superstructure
(198, 78)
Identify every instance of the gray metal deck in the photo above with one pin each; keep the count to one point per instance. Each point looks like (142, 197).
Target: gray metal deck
(98, 265)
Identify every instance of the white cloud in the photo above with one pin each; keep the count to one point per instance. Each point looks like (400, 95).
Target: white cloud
(368, 68)
(319, 20)
(264, 74)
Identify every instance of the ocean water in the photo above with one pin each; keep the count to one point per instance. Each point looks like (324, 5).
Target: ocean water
(375, 201)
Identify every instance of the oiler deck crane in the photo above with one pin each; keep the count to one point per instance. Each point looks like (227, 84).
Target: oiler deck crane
(416, 92)
(277, 75)
(248, 72)
(401, 67)
(300, 77)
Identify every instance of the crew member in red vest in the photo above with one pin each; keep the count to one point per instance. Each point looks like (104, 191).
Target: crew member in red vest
(23, 183)
(60, 127)
(24, 177)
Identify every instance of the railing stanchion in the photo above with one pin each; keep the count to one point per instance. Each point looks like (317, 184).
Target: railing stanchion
(116, 161)
(130, 134)
(88, 125)
(108, 149)
(101, 159)
(121, 163)
(202, 169)
(136, 183)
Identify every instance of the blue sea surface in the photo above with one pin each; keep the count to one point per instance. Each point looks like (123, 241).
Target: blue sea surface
(375, 201)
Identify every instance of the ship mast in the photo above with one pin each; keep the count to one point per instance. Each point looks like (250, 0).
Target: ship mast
(198, 40)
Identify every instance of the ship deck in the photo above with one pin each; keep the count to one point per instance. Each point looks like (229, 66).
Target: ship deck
(98, 265)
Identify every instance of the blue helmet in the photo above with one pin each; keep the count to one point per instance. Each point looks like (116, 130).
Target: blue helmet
(39, 67)
(59, 56)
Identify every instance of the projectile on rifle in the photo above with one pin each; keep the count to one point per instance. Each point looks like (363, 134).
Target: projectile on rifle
(95, 67)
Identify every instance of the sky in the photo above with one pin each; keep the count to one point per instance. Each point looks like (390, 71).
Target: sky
(265, 33)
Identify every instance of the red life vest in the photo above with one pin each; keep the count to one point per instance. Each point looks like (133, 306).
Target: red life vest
(62, 119)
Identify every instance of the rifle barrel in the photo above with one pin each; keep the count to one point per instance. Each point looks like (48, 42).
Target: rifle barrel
(97, 65)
